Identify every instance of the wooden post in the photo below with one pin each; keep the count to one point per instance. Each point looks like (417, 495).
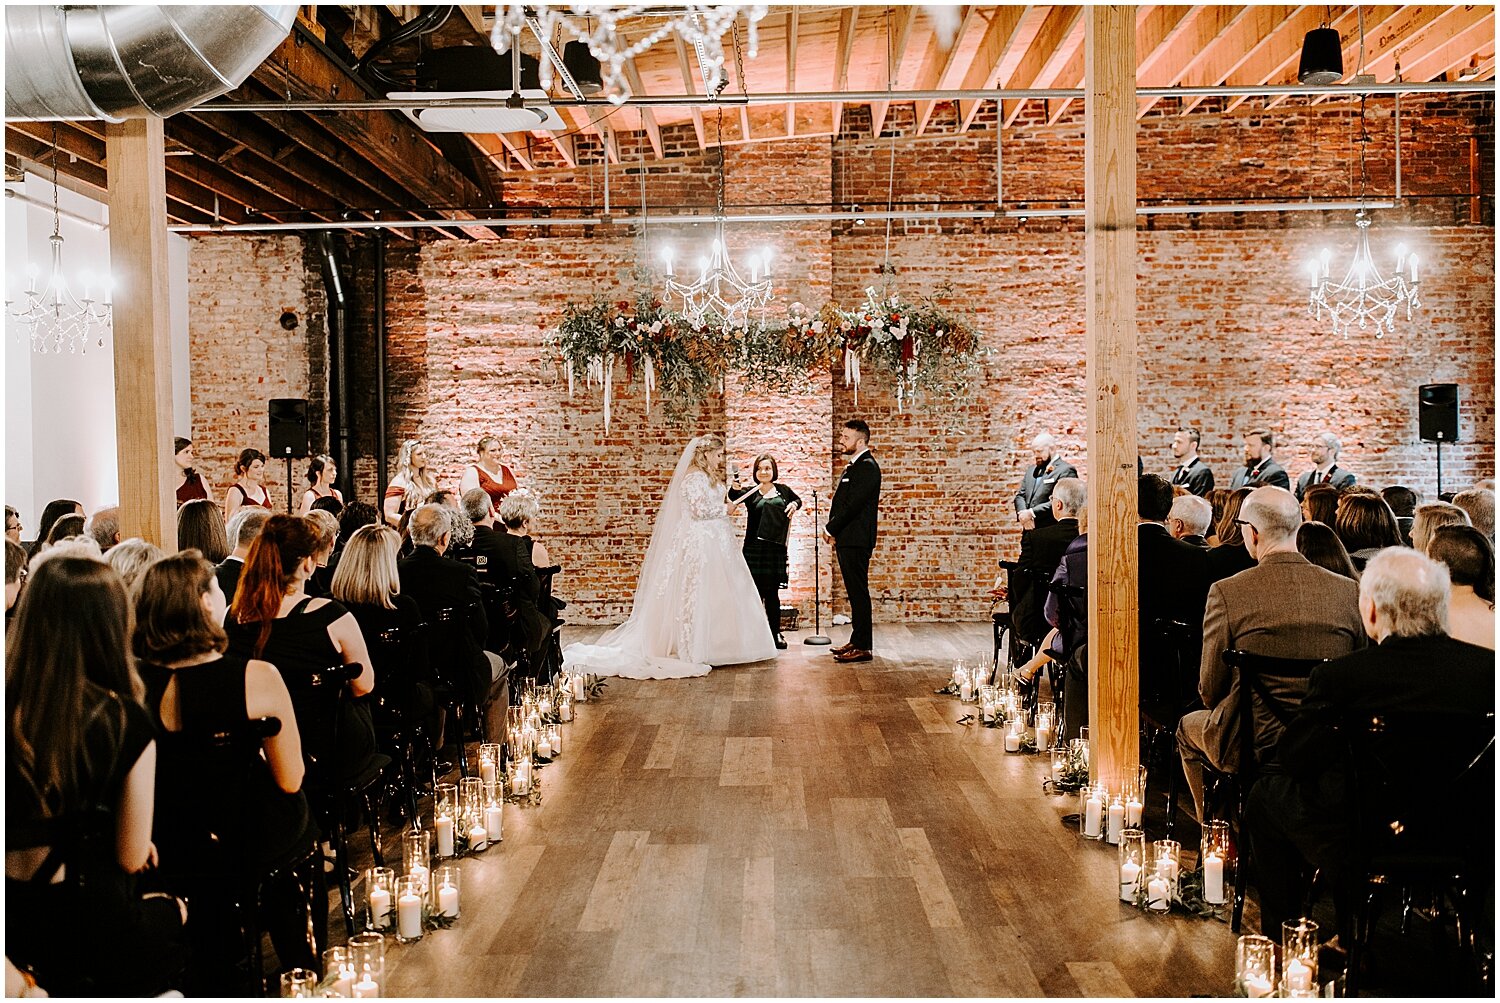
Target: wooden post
(142, 334)
(1110, 262)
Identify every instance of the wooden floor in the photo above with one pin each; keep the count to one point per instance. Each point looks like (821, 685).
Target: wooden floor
(802, 828)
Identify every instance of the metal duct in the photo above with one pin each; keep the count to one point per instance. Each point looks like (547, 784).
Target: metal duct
(130, 61)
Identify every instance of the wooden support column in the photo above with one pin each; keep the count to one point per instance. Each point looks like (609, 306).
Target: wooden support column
(142, 334)
(1110, 262)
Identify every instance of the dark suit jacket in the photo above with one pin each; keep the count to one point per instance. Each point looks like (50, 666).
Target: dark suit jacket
(1173, 577)
(1195, 541)
(853, 513)
(1337, 476)
(1197, 478)
(1225, 561)
(228, 572)
(1286, 607)
(435, 581)
(1040, 553)
(1414, 674)
(1036, 489)
(1263, 473)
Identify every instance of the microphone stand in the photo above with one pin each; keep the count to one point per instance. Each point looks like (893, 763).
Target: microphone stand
(817, 638)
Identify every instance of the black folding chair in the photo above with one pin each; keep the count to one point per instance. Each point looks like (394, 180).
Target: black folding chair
(1170, 649)
(395, 654)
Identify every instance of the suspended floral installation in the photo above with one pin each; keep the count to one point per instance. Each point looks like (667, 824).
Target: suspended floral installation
(931, 353)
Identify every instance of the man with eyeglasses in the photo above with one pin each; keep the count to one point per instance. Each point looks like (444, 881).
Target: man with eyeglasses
(1284, 607)
(1324, 452)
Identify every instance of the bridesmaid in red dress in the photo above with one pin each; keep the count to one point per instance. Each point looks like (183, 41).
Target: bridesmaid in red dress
(488, 472)
(247, 488)
(190, 483)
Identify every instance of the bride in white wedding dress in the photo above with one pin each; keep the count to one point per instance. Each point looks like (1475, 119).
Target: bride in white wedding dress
(695, 604)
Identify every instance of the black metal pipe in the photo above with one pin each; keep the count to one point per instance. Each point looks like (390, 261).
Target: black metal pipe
(380, 389)
(337, 331)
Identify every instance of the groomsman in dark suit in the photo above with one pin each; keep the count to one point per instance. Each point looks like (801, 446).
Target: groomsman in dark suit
(1192, 473)
(1034, 501)
(1324, 451)
(1260, 466)
(852, 517)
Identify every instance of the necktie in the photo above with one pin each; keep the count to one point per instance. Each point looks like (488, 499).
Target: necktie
(1328, 476)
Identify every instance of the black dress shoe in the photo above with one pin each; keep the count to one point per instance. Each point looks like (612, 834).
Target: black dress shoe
(780, 643)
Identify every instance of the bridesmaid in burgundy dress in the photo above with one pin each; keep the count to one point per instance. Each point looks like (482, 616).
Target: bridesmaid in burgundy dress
(190, 483)
(489, 473)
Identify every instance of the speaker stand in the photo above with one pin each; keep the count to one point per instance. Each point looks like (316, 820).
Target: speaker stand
(288, 482)
(818, 637)
(1440, 467)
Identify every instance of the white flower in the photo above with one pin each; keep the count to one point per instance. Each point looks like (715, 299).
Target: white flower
(900, 332)
(877, 324)
(656, 327)
(619, 322)
(817, 327)
(938, 333)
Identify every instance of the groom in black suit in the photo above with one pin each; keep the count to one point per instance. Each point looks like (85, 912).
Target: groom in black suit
(851, 529)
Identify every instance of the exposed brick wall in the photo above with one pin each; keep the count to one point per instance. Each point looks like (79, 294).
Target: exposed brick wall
(1225, 339)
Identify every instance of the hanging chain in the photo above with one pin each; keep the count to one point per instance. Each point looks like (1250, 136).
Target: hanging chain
(719, 141)
(56, 213)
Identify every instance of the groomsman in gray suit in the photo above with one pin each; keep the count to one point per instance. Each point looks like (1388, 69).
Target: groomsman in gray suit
(1260, 467)
(1034, 501)
(1324, 451)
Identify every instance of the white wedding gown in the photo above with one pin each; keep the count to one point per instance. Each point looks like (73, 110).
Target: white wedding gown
(695, 606)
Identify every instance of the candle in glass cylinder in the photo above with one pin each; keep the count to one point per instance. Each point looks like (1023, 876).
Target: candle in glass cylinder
(1130, 880)
(965, 688)
(1093, 813)
(580, 690)
(1158, 894)
(409, 908)
(554, 736)
(1298, 976)
(1213, 879)
(544, 745)
(565, 708)
(446, 900)
(366, 988)
(1115, 821)
(1013, 736)
(1133, 810)
(1043, 732)
(443, 828)
(479, 838)
(380, 908)
(492, 817)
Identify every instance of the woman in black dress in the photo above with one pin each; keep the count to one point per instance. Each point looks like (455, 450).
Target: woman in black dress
(769, 507)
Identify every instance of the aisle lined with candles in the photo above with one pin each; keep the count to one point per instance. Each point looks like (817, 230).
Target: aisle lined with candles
(801, 829)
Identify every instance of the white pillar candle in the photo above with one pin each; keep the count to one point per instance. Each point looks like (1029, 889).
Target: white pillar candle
(1158, 895)
(1257, 987)
(565, 711)
(1133, 811)
(1213, 878)
(409, 916)
(492, 822)
(1116, 822)
(1130, 880)
(987, 712)
(487, 771)
(958, 676)
(344, 984)
(965, 689)
(366, 988)
(443, 826)
(479, 838)
(380, 908)
(1298, 976)
(580, 691)
(420, 873)
(1093, 811)
(544, 747)
(1166, 869)
(521, 782)
(556, 742)
(545, 707)
(448, 901)
(1012, 742)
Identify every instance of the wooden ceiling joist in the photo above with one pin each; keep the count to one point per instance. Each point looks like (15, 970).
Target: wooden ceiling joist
(999, 35)
(1056, 30)
(901, 21)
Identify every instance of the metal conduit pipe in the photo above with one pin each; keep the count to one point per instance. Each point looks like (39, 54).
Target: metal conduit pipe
(778, 217)
(114, 62)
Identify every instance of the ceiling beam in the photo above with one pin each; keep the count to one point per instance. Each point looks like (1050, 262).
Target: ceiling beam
(692, 83)
(1189, 48)
(791, 72)
(898, 35)
(648, 118)
(1384, 26)
(1469, 29)
(1260, 36)
(999, 36)
(1056, 29)
(81, 176)
(944, 65)
(848, 21)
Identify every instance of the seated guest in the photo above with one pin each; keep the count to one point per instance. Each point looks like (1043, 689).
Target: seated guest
(1324, 452)
(1487, 484)
(1217, 498)
(247, 488)
(15, 575)
(54, 511)
(70, 546)
(66, 528)
(1299, 817)
(1322, 546)
(329, 504)
(1284, 607)
(410, 486)
(1260, 465)
(1320, 503)
(12, 525)
(1188, 520)
(1403, 503)
(517, 569)
(1229, 557)
(190, 483)
(200, 527)
(351, 517)
(321, 475)
(104, 527)
(215, 832)
(1366, 525)
(437, 582)
(1068, 616)
(80, 766)
(1480, 505)
(368, 584)
(328, 533)
(1430, 517)
(1192, 473)
(1172, 573)
(1041, 549)
(1470, 561)
(130, 559)
(243, 529)
(461, 547)
(273, 618)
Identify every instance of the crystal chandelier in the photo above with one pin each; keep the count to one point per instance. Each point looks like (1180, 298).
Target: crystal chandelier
(601, 26)
(1363, 296)
(53, 317)
(719, 292)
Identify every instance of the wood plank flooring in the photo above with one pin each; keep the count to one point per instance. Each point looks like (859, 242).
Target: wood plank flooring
(801, 828)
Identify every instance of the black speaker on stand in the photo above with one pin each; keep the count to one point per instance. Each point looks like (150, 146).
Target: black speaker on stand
(289, 438)
(1437, 418)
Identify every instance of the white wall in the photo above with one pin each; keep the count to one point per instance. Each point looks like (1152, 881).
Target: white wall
(59, 433)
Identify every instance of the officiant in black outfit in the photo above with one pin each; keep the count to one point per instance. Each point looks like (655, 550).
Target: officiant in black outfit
(769, 507)
(851, 525)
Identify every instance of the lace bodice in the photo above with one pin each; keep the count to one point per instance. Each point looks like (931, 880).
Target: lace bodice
(704, 499)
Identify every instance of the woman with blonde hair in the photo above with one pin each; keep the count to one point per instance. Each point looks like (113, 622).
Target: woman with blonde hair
(695, 604)
(411, 485)
(1229, 556)
(1429, 517)
(488, 472)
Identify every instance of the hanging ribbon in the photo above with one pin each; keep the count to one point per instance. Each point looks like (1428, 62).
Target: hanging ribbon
(609, 386)
(570, 379)
(650, 382)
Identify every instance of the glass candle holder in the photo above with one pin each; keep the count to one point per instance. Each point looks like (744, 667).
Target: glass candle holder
(1132, 864)
(1135, 798)
(959, 671)
(338, 971)
(444, 818)
(1114, 819)
(519, 772)
(1080, 749)
(411, 895)
(1255, 966)
(1299, 956)
(1059, 767)
(1046, 724)
(367, 956)
(543, 742)
(1091, 811)
(299, 983)
(1213, 859)
(490, 762)
(544, 705)
(380, 892)
(1014, 734)
(554, 734)
(445, 891)
(580, 687)
(416, 855)
(471, 821)
(1161, 887)
(987, 702)
(565, 707)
